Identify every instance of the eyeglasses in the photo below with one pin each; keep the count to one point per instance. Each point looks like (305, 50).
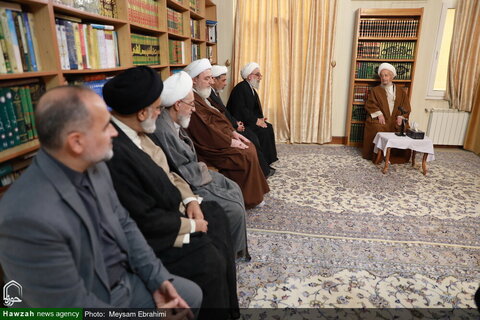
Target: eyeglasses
(191, 104)
(258, 74)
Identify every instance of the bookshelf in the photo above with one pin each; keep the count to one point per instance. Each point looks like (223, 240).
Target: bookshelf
(381, 35)
(140, 31)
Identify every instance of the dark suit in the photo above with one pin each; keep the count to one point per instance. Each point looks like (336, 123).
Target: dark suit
(217, 102)
(49, 245)
(244, 104)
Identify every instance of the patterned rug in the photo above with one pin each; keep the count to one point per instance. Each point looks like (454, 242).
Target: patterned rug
(336, 232)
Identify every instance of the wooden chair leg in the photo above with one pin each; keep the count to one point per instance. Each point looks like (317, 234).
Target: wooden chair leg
(387, 161)
(378, 158)
(414, 153)
(424, 163)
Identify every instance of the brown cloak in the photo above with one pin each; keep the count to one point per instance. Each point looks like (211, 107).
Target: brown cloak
(377, 101)
(212, 135)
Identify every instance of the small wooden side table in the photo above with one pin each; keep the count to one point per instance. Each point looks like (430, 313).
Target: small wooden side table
(386, 140)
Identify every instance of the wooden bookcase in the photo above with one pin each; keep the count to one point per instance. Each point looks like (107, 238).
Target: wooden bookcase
(381, 35)
(52, 74)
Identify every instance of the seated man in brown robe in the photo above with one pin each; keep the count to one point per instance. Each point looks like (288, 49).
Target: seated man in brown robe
(384, 113)
(218, 144)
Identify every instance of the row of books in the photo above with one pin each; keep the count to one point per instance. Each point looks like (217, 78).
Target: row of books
(86, 46)
(94, 82)
(210, 53)
(143, 12)
(18, 44)
(211, 30)
(356, 132)
(386, 49)
(360, 93)
(369, 70)
(176, 51)
(195, 51)
(17, 121)
(174, 21)
(145, 49)
(175, 70)
(11, 171)
(388, 28)
(194, 5)
(107, 8)
(359, 113)
(195, 28)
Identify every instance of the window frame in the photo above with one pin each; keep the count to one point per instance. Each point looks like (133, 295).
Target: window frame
(431, 93)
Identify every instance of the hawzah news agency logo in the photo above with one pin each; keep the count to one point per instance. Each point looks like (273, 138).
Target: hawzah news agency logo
(12, 292)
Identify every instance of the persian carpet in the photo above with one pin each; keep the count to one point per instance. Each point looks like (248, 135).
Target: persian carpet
(336, 232)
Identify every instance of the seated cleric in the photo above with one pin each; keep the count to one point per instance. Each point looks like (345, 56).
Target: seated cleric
(384, 113)
(190, 236)
(64, 236)
(170, 135)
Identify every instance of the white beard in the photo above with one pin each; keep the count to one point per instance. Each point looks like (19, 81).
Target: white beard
(255, 83)
(109, 155)
(204, 93)
(148, 125)
(183, 121)
(94, 159)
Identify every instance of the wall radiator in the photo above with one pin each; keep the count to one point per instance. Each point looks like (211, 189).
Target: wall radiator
(447, 126)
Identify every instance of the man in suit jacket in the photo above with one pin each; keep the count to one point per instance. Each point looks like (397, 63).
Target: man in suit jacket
(244, 104)
(64, 236)
(219, 76)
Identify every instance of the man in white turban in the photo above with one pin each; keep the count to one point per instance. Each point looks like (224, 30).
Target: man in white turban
(386, 107)
(177, 98)
(218, 144)
(219, 75)
(189, 234)
(244, 104)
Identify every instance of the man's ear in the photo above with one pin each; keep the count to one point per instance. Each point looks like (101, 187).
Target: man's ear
(176, 106)
(75, 142)
(142, 114)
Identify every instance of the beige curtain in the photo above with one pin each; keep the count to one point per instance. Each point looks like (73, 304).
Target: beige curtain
(472, 137)
(464, 64)
(292, 40)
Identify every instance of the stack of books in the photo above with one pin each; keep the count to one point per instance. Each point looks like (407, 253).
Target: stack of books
(146, 49)
(174, 21)
(18, 44)
(17, 121)
(144, 12)
(86, 46)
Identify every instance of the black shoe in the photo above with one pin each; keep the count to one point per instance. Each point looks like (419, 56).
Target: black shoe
(271, 173)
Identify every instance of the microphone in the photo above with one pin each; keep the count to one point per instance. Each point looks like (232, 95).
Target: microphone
(404, 122)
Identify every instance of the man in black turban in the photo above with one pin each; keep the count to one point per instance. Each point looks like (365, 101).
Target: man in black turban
(191, 237)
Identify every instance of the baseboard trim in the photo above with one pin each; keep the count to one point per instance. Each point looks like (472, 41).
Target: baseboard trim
(338, 140)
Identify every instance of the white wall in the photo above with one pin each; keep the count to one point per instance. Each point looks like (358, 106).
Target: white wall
(343, 53)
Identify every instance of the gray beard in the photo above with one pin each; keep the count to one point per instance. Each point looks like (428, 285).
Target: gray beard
(148, 125)
(254, 83)
(204, 93)
(183, 121)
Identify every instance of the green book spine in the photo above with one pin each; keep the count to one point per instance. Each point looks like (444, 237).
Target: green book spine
(29, 92)
(26, 113)
(17, 103)
(8, 65)
(12, 128)
(3, 121)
